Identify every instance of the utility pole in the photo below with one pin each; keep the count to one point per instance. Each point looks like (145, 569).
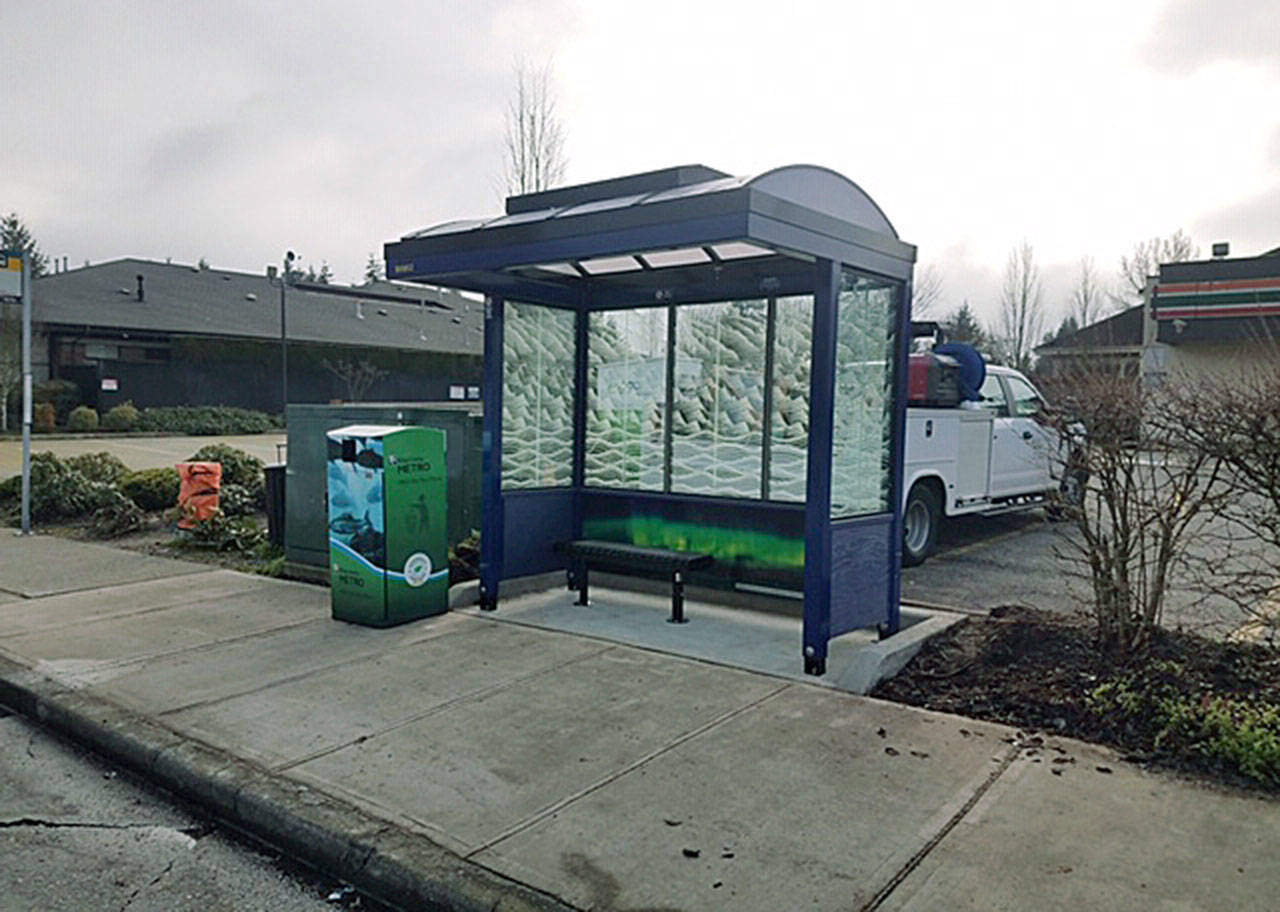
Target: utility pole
(284, 338)
(26, 392)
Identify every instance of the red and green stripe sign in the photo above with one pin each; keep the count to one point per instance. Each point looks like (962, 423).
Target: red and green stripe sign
(1223, 298)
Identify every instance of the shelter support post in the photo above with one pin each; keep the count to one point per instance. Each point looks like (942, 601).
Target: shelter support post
(897, 444)
(817, 513)
(492, 531)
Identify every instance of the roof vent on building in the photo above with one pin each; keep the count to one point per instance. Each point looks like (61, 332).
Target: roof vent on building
(1221, 249)
(251, 297)
(142, 296)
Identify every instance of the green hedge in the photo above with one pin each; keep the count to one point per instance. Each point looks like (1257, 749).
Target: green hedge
(152, 489)
(206, 420)
(121, 418)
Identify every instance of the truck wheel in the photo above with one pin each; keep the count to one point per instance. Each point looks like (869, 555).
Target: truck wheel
(920, 521)
(1069, 498)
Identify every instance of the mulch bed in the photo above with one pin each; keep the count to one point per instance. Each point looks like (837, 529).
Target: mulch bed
(1035, 670)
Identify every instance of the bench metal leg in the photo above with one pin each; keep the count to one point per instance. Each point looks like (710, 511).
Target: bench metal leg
(581, 574)
(677, 599)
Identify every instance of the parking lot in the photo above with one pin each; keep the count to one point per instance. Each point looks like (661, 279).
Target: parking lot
(1020, 559)
(138, 452)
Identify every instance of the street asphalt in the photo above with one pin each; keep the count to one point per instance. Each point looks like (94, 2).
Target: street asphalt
(478, 762)
(77, 834)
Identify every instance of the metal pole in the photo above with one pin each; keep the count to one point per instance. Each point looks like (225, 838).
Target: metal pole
(284, 338)
(26, 393)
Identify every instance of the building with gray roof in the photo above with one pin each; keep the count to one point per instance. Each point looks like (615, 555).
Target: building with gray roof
(169, 334)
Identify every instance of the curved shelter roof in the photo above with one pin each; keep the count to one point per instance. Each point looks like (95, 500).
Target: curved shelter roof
(672, 234)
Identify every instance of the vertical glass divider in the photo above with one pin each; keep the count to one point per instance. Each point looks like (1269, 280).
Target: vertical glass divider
(770, 336)
(670, 399)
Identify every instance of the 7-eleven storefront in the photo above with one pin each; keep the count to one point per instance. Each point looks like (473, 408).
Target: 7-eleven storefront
(1213, 317)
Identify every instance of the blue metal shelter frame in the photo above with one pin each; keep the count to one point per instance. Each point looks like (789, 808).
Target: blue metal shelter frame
(671, 238)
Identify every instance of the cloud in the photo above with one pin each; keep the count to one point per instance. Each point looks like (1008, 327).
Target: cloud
(1252, 225)
(237, 129)
(1195, 33)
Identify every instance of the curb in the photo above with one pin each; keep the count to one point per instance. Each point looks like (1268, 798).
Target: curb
(875, 663)
(341, 841)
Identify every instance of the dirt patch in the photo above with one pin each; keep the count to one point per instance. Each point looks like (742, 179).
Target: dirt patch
(1190, 703)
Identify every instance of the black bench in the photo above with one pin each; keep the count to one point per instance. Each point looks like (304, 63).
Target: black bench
(623, 557)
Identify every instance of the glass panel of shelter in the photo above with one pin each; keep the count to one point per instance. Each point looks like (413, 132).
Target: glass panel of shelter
(626, 398)
(866, 319)
(718, 402)
(723, 371)
(537, 396)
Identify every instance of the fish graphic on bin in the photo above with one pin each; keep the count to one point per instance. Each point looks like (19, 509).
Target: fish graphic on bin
(388, 550)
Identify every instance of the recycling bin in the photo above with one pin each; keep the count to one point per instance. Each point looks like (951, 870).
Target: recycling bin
(387, 512)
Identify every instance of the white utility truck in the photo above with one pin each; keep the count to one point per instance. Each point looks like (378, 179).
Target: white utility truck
(984, 448)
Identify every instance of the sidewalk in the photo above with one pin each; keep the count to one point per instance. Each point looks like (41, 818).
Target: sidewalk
(477, 763)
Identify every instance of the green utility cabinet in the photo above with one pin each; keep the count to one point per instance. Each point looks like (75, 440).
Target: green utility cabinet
(388, 507)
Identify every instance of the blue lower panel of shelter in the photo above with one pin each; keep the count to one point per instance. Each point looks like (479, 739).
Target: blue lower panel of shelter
(533, 522)
(862, 568)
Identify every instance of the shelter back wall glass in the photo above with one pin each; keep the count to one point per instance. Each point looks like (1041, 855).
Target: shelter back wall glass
(537, 396)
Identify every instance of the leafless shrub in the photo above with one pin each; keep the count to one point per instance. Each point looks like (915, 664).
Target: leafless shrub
(1144, 492)
(1234, 418)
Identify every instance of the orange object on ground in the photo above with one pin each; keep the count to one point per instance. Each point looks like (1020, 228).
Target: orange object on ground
(198, 490)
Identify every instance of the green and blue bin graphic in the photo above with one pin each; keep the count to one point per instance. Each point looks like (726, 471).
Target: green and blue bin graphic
(388, 511)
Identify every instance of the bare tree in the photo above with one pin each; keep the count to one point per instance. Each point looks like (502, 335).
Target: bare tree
(1145, 259)
(534, 136)
(926, 290)
(357, 374)
(1021, 319)
(1086, 303)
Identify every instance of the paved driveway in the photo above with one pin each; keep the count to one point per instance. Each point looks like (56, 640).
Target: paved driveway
(137, 452)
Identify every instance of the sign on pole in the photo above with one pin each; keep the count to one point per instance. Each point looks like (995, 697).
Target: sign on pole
(11, 273)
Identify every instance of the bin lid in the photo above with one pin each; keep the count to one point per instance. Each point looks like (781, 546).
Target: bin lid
(366, 430)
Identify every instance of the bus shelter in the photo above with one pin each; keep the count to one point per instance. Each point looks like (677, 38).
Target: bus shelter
(689, 360)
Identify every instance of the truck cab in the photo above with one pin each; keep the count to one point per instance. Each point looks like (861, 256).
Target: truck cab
(989, 455)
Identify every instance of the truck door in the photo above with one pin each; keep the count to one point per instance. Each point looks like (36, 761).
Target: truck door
(1021, 448)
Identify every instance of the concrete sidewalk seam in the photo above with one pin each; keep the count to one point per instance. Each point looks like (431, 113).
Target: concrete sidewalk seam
(915, 860)
(404, 870)
(560, 805)
(57, 592)
(185, 600)
(289, 679)
(435, 710)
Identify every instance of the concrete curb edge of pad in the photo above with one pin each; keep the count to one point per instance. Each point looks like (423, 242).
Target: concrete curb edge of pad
(880, 661)
(340, 841)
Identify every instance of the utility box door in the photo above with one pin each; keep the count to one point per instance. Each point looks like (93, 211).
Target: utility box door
(388, 552)
(417, 508)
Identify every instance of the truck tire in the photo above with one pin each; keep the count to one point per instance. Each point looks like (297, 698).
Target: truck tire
(1070, 496)
(920, 519)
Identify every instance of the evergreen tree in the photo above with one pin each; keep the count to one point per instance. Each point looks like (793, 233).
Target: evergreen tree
(14, 235)
(963, 326)
(373, 270)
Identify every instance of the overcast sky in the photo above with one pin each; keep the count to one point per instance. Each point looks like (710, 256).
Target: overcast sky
(234, 131)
